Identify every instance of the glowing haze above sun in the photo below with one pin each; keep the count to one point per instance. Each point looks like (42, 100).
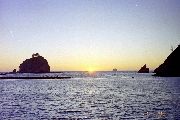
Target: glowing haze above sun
(90, 35)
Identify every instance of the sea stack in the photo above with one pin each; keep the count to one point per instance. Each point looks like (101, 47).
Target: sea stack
(36, 64)
(144, 69)
(171, 66)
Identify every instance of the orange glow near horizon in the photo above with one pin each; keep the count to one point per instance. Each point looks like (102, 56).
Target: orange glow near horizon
(91, 69)
(87, 64)
(81, 61)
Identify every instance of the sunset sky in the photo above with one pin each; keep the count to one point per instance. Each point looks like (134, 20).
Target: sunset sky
(89, 34)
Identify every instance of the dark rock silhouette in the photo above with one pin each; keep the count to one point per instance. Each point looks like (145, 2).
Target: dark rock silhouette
(14, 71)
(36, 64)
(171, 66)
(144, 69)
(114, 70)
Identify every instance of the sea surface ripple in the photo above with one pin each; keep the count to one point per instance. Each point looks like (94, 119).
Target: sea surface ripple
(103, 95)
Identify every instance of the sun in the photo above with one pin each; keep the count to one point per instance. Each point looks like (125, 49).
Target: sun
(91, 70)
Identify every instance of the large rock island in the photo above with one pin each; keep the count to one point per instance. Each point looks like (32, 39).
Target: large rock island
(36, 64)
(171, 66)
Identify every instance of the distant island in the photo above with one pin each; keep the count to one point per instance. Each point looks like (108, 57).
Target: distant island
(36, 64)
(171, 66)
(144, 69)
(114, 70)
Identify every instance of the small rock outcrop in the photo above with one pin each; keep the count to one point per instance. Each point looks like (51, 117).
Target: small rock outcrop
(171, 66)
(36, 64)
(14, 71)
(144, 69)
(114, 70)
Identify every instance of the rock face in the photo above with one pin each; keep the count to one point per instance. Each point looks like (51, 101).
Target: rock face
(36, 64)
(171, 66)
(144, 69)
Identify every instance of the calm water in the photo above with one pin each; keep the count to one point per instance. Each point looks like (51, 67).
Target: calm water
(103, 95)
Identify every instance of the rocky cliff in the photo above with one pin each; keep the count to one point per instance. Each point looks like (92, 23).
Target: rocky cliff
(171, 66)
(36, 64)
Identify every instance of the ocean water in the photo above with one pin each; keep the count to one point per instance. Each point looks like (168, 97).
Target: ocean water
(100, 95)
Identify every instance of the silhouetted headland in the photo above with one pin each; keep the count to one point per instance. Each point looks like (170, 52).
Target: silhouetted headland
(144, 69)
(171, 66)
(36, 64)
